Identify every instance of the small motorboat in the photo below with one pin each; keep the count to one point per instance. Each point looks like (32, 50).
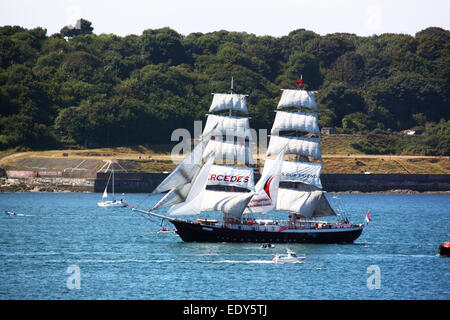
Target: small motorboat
(444, 249)
(166, 230)
(267, 246)
(290, 257)
(12, 213)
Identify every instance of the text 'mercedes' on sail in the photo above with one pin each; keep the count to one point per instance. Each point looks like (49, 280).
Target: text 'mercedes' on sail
(297, 98)
(242, 177)
(228, 101)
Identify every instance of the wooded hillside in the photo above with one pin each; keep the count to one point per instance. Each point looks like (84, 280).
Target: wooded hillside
(78, 88)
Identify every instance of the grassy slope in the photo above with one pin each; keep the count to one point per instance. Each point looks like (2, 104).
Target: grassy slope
(338, 157)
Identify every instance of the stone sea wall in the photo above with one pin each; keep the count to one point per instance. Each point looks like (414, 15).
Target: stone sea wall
(385, 182)
(146, 182)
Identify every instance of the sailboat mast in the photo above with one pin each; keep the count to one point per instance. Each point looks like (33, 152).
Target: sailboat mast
(113, 182)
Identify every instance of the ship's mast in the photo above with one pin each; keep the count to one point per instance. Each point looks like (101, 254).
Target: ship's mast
(231, 92)
(299, 157)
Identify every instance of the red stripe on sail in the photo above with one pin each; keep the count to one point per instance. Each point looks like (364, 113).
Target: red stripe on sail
(267, 187)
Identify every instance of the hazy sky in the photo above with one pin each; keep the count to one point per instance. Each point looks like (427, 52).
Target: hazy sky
(261, 17)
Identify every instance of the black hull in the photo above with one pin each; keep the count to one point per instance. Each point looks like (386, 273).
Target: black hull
(444, 251)
(194, 232)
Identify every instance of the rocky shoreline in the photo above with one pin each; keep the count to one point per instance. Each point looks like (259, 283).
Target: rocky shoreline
(6, 186)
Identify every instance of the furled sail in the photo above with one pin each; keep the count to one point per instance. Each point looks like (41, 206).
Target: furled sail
(304, 172)
(228, 152)
(295, 121)
(297, 98)
(228, 126)
(227, 101)
(304, 203)
(295, 145)
(193, 202)
(242, 177)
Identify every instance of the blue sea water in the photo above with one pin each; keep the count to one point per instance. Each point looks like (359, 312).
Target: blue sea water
(66, 247)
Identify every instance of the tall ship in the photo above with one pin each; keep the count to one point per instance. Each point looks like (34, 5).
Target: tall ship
(286, 205)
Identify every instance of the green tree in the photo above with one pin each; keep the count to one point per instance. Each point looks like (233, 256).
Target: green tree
(341, 100)
(349, 68)
(356, 122)
(163, 45)
(307, 65)
(81, 27)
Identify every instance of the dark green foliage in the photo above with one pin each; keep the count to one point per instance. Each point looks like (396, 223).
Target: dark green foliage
(434, 141)
(382, 144)
(81, 27)
(79, 88)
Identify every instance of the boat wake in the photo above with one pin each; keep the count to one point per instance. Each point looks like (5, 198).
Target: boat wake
(158, 261)
(239, 261)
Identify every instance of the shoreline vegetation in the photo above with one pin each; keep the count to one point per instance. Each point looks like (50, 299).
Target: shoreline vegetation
(89, 164)
(76, 88)
(74, 103)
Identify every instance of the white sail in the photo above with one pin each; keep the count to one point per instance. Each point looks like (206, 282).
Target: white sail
(231, 204)
(236, 206)
(295, 145)
(242, 177)
(105, 193)
(227, 152)
(185, 171)
(228, 126)
(305, 203)
(174, 196)
(304, 172)
(212, 198)
(295, 121)
(193, 202)
(230, 101)
(297, 98)
(266, 190)
(218, 175)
